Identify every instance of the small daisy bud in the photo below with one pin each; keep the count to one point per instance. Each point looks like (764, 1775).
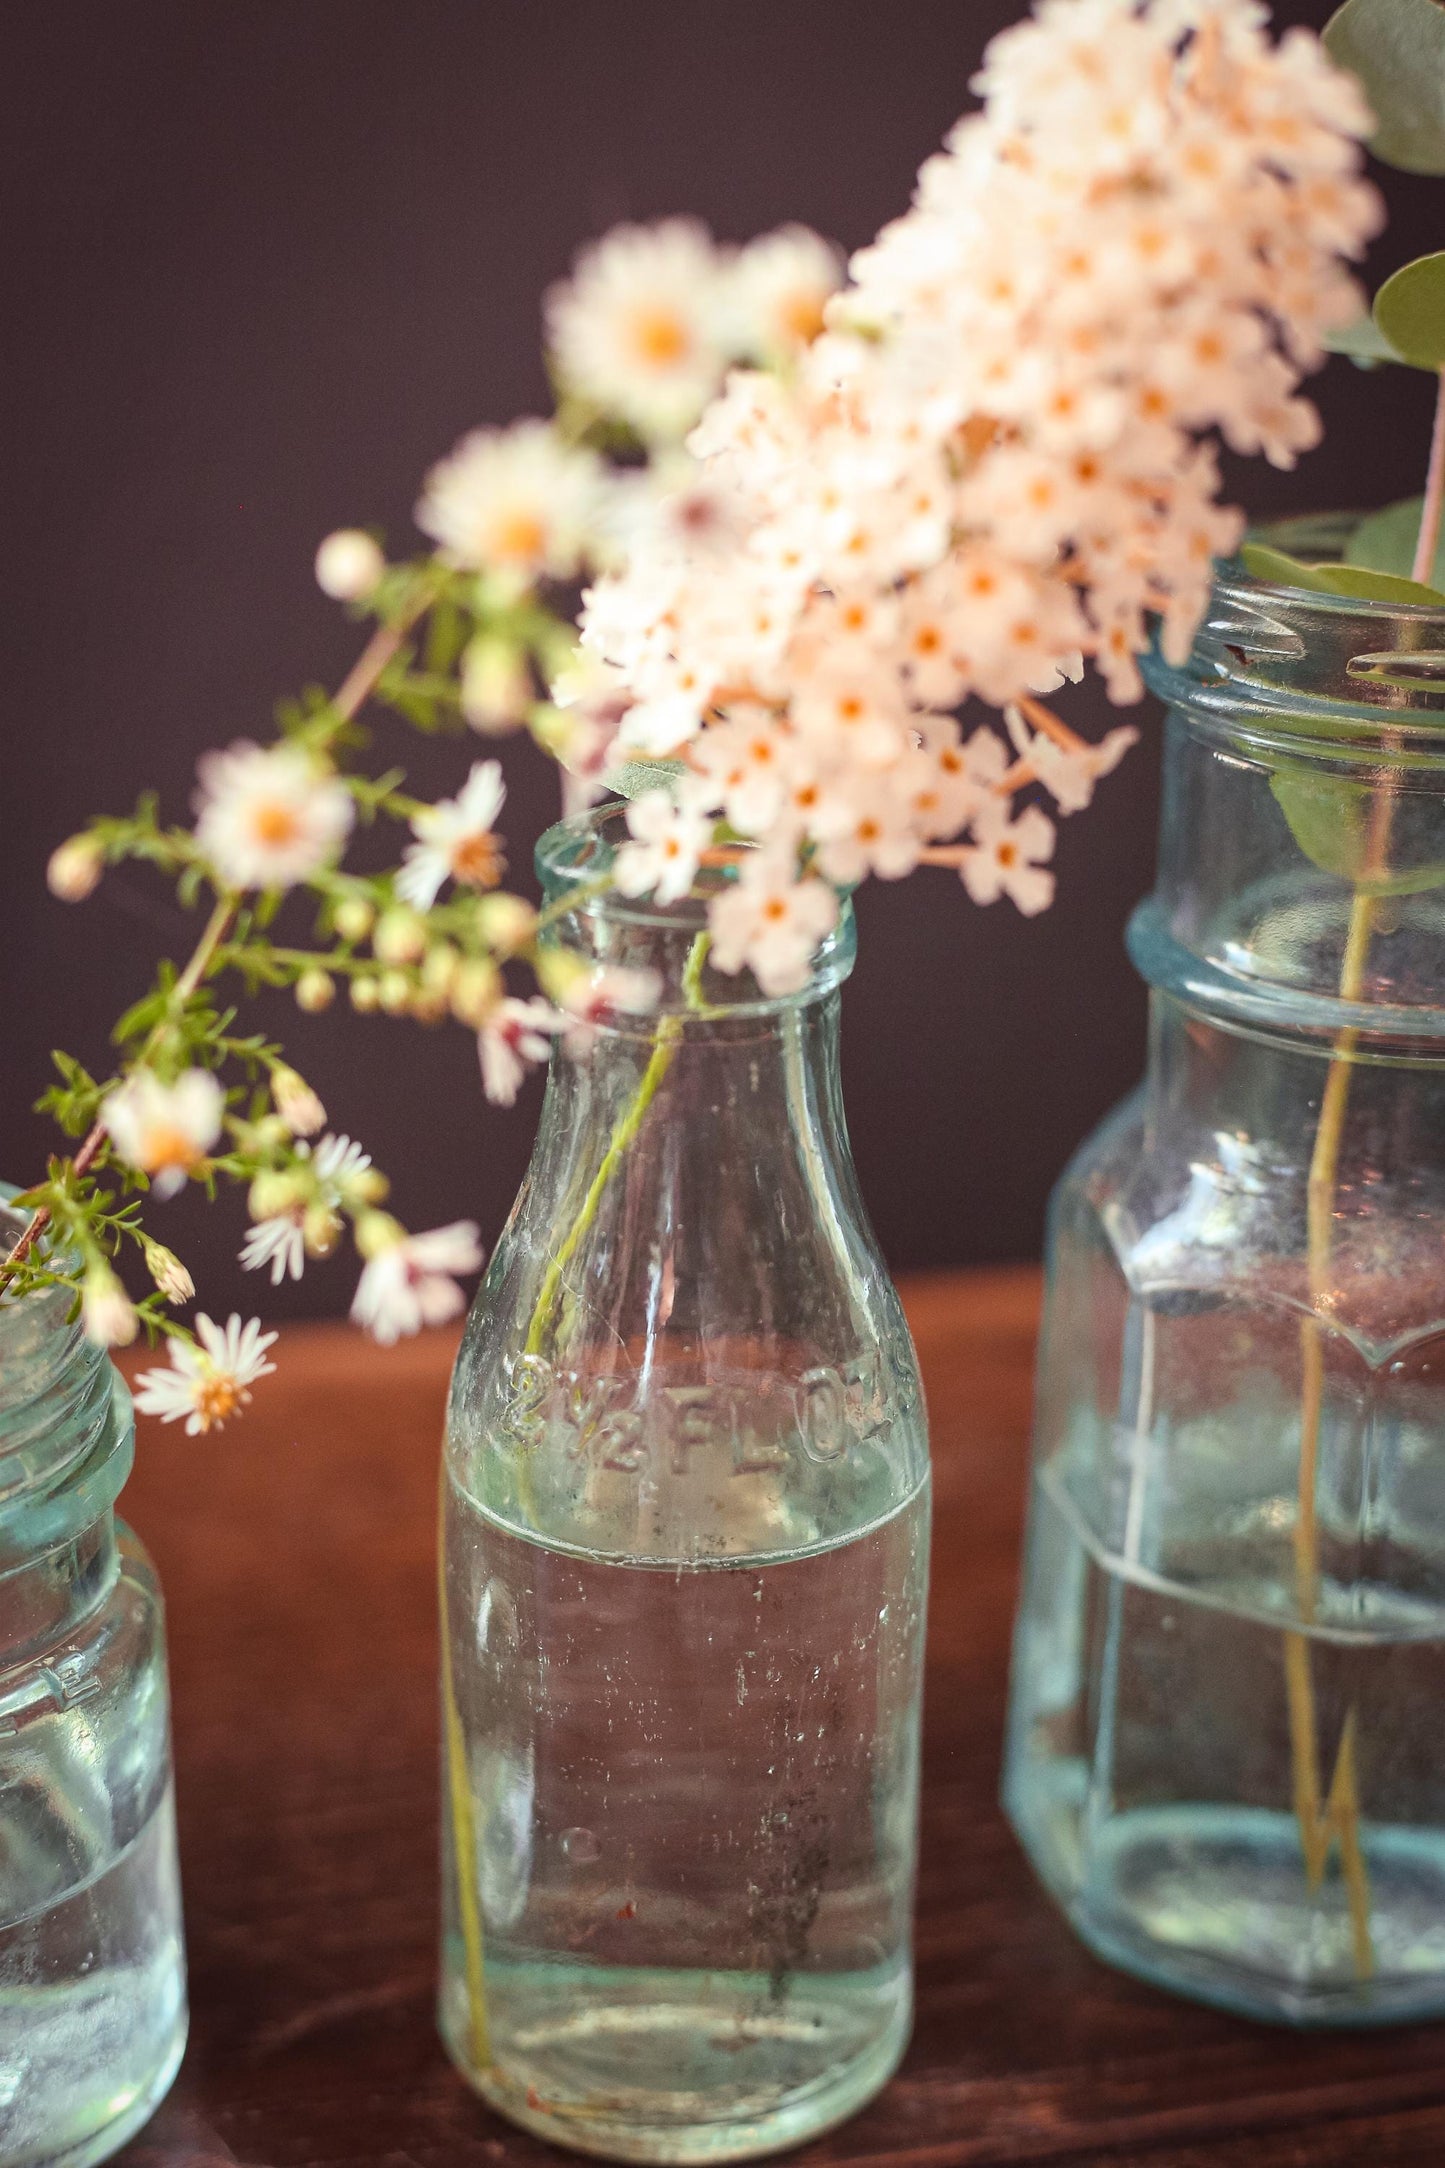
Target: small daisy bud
(321, 1231)
(275, 1190)
(348, 565)
(315, 991)
(377, 1231)
(365, 994)
(370, 1186)
(506, 922)
(268, 1135)
(355, 918)
(428, 1008)
(440, 968)
(166, 1269)
(475, 991)
(75, 869)
(394, 992)
(400, 937)
(496, 687)
(106, 1310)
(296, 1103)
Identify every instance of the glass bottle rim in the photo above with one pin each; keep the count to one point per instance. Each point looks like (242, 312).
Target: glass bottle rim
(1336, 678)
(574, 859)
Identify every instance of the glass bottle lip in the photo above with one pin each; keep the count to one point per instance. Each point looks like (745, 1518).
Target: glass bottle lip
(1335, 678)
(574, 861)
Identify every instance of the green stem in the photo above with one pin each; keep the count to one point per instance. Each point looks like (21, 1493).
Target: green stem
(669, 1031)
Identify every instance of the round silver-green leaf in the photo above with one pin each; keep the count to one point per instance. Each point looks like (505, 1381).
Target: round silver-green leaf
(1397, 49)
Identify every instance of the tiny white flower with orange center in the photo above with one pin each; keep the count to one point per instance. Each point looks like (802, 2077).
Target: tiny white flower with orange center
(269, 817)
(409, 1280)
(668, 837)
(641, 328)
(1068, 767)
(455, 840)
(771, 921)
(167, 1130)
(515, 502)
(209, 1380)
(1007, 858)
(513, 1035)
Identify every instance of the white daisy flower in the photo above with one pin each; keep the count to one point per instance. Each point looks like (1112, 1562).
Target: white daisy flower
(640, 329)
(209, 1381)
(410, 1283)
(269, 817)
(455, 840)
(278, 1242)
(782, 283)
(166, 1130)
(516, 502)
(514, 1034)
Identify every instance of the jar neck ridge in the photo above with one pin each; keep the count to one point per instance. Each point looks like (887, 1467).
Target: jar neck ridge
(1301, 883)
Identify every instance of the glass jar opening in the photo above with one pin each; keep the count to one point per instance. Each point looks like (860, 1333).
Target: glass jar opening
(587, 914)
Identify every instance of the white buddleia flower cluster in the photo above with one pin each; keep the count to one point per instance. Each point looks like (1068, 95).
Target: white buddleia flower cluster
(995, 465)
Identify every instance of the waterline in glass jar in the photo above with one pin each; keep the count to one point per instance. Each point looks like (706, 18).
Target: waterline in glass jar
(693, 1800)
(92, 2002)
(1150, 1780)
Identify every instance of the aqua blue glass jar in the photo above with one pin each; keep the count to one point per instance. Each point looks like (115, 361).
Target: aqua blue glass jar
(684, 1567)
(1225, 1753)
(92, 1971)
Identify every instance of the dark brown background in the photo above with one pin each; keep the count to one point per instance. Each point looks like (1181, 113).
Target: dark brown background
(267, 259)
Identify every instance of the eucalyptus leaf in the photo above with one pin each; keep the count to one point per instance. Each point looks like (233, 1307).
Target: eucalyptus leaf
(1330, 820)
(1364, 585)
(1360, 582)
(1397, 49)
(1364, 342)
(636, 776)
(1278, 569)
(1410, 307)
(1385, 541)
(1327, 818)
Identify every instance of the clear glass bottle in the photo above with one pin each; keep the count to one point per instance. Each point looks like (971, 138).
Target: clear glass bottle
(1225, 1754)
(685, 1559)
(92, 1971)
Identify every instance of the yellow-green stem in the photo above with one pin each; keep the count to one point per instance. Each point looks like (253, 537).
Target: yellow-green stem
(1338, 1819)
(464, 1842)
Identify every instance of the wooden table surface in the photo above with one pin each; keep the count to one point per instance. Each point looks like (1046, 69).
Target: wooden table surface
(296, 1551)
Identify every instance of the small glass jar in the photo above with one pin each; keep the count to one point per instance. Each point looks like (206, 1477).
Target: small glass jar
(92, 1971)
(1225, 1754)
(685, 1556)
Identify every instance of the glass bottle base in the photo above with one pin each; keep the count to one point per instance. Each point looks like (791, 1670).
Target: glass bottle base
(637, 2071)
(124, 2116)
(1212, 1903)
